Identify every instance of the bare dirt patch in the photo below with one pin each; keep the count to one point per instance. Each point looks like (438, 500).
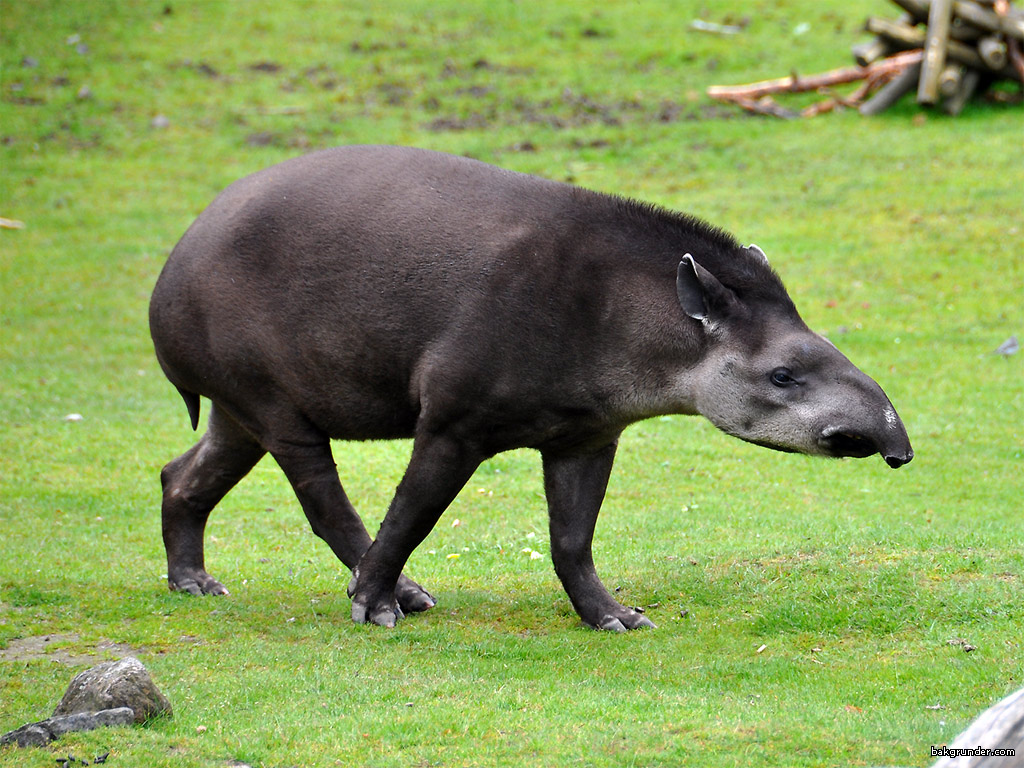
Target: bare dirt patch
(52, 648)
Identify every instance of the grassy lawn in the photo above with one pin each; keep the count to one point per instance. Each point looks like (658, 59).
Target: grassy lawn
(806, 608)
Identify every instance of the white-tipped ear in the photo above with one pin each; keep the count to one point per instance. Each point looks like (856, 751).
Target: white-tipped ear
(757, 250)
(689, 289)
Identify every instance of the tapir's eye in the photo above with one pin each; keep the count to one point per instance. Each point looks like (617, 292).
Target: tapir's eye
(782, 377)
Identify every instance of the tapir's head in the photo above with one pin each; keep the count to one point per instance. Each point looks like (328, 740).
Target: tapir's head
(768, 379)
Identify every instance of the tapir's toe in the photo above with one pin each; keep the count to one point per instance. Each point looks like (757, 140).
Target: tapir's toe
(195, 583)
(412, 598)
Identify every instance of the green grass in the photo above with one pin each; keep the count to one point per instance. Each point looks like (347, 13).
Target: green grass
(900, 236)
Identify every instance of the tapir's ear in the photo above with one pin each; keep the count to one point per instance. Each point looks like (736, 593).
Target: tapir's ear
(756, 250)
(691, 295)
(700, 293)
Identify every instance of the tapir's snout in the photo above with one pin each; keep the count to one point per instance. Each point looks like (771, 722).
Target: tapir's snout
(897, 451)
(894, 444)
(891, 442)
(867, 425)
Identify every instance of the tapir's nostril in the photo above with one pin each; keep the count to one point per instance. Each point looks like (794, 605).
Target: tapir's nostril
(898, 461)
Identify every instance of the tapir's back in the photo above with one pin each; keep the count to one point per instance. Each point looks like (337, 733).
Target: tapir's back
(338, 270)
(366, 214)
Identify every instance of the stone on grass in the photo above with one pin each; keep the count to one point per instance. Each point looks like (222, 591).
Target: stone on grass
(42, 733)
(122, 683)
(112, 693)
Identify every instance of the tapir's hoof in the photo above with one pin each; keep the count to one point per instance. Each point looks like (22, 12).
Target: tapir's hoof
(623, 622)
(196, 583)
(382, 614)
(412, 598)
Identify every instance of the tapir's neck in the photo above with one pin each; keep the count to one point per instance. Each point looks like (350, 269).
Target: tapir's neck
(661, 380)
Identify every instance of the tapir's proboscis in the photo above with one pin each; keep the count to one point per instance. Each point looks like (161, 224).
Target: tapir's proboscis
(370, 293)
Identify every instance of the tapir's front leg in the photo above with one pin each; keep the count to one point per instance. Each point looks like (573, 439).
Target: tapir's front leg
(438, 469)
(575, 486)
(314, 478)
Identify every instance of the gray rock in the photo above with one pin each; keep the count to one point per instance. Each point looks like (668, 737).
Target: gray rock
(42, 733)
(90, 721)
(121, 683)
(31, 735)
(994, 740)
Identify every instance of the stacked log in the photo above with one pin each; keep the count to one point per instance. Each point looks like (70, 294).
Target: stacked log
(967, 45)
(948, 50)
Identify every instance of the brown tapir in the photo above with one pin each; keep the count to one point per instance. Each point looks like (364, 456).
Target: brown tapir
(367, 293)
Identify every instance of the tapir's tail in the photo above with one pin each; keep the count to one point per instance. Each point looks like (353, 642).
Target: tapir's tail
(192, 403)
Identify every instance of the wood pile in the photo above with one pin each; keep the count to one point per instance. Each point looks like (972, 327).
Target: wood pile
(948, 50)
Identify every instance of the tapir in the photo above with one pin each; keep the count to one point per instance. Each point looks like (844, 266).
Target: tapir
(375, 292)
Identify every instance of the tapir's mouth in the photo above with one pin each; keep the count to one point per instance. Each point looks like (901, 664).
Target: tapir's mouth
(840, 442)
(847, 443)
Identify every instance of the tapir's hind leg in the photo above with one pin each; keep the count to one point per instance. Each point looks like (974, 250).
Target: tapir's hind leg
(314, 478)
(193, 484)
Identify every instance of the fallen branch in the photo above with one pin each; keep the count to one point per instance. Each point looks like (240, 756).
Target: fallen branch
(765, 105)
(797, 84)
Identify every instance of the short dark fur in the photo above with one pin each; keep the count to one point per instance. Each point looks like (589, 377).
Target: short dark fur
(383, 292)
(659, 230)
